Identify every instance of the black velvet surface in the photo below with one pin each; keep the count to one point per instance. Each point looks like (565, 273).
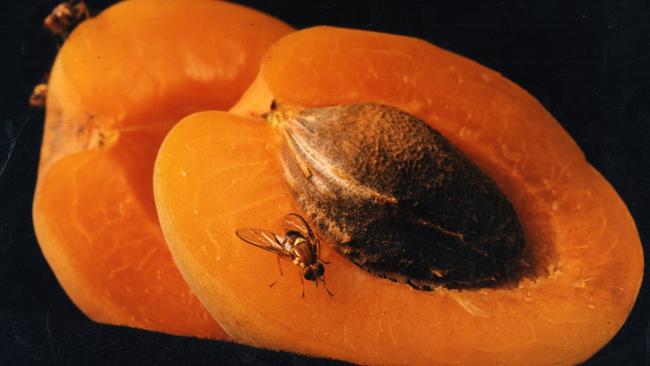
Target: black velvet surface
(588, 62)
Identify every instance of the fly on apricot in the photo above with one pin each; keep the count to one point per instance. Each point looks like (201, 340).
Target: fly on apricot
(299, 243)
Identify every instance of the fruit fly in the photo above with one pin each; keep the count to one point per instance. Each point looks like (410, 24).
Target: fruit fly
(298, 243)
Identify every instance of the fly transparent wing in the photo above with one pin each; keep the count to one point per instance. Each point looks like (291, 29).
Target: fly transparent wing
(263, 239)
(295, 222)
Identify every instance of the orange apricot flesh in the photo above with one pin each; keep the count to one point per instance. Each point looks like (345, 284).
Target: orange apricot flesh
(119, 83)
(216, 172)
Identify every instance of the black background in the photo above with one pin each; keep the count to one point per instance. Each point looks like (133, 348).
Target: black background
(588, 62)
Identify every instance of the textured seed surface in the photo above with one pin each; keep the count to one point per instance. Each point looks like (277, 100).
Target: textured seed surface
(399, 199)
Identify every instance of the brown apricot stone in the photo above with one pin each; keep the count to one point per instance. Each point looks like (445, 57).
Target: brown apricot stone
(397, 198)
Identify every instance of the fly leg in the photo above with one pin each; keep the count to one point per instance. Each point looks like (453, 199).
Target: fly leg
(279, 266)
(279, 269)
(318, 254)
(322, 279)
(302, 282)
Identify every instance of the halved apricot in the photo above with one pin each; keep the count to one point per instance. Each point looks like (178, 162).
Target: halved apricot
(217, 172)
(118, 84)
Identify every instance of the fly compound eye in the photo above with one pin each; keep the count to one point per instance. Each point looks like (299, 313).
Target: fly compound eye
(309, 274)
(319, 269)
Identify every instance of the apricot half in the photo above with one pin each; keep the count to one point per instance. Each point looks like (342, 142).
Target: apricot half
(118, 84)
(217, 172)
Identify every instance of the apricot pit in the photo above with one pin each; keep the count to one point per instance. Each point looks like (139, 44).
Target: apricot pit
(397, 198)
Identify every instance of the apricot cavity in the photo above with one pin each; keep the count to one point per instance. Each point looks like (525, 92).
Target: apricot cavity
(118, 84)
(217, 172)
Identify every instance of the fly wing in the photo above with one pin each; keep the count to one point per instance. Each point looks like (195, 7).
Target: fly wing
(262, 239)
(295, 222)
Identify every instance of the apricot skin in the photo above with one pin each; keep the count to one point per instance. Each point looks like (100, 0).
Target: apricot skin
(581, 238)
(118, 84)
